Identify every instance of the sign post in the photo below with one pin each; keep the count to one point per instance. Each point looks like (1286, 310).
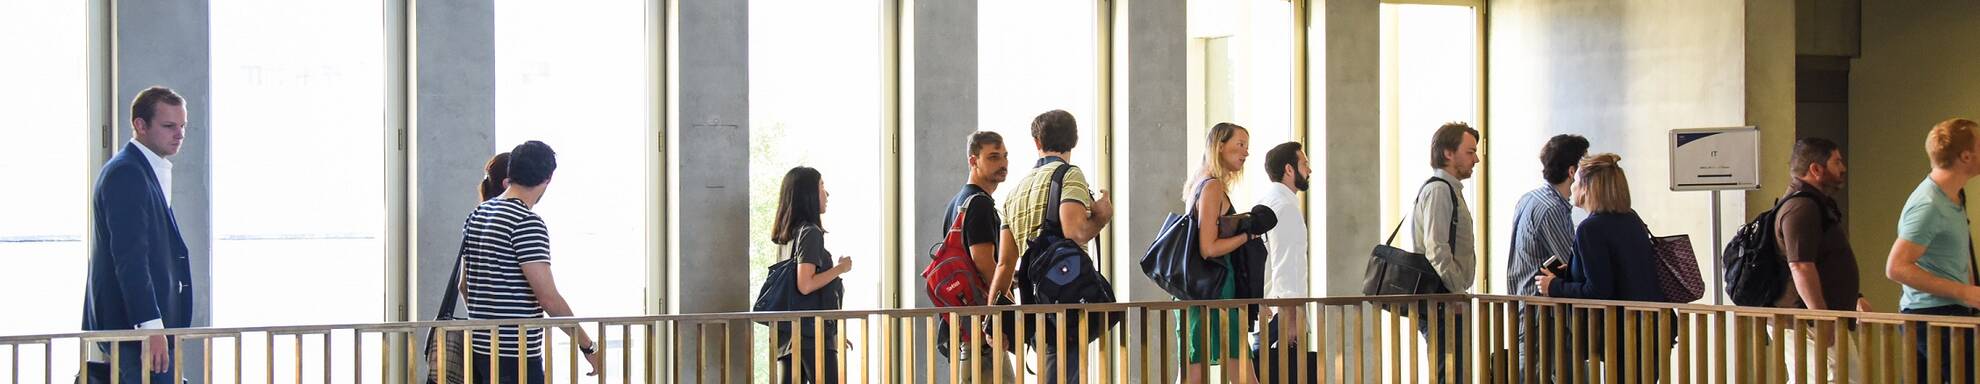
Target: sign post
(1716, 159)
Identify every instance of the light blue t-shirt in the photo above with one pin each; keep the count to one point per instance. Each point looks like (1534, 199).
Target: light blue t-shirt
(1937, 222)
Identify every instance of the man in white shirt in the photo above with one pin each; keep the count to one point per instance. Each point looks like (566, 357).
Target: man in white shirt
(1286, 167)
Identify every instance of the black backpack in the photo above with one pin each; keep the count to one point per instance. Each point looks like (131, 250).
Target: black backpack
(1756, 270)
(1055, 270)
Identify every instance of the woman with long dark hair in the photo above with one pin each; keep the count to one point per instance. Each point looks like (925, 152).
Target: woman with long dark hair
(799, 235)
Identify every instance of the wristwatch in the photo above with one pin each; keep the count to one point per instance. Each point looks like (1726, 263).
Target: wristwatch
(588, 350)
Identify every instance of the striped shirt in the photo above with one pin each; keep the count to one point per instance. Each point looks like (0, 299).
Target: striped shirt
(1543, 227)
(502, 235)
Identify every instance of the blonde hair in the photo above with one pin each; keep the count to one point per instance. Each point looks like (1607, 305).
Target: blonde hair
(1604, 188)
(1213, 166)
(1948, 140)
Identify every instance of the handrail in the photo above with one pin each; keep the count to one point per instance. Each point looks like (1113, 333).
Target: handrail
(733, 316)
(986, 310)
(1496, 338)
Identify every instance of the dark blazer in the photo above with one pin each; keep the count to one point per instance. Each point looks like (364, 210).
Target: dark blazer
(138, 263)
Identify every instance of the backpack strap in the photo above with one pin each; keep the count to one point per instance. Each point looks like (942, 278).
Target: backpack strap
(963, 210)
(1052, 206)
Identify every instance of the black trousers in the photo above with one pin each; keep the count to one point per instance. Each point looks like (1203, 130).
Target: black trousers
(1301, 366)
(1453, 348)
(1946, 338)
(504, 370)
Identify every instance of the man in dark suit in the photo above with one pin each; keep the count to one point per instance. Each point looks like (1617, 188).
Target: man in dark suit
(139, 275)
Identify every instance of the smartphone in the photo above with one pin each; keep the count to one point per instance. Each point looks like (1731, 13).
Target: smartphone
(1555, 265)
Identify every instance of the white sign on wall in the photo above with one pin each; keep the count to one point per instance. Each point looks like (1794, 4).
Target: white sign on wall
(1706, 159)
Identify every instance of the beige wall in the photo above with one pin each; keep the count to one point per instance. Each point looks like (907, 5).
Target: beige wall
(1917, 68)
(1622, 73)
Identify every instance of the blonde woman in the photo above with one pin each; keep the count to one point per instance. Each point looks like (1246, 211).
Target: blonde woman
(1227, 147)
(1611, 250)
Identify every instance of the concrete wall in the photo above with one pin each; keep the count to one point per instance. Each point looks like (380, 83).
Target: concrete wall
(1149, 140)
(1915, 71)
(1770, 98)
(1621, 73)
(453, 135)
(166, 43)
(1346, 211)
(714, 178)
(940, 99)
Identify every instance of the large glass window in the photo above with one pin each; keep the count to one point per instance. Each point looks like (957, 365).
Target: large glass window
(814, 94)
(1035, 56)
(1245, 51)
(298, 141)
(297, 171)
(573, 75)
(41, 242)
(569, 74)
(1429, 77)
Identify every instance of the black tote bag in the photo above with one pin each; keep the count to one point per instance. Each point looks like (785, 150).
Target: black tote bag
(1175, 262)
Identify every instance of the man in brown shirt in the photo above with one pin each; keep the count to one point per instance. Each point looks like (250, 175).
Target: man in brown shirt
(1814, 241)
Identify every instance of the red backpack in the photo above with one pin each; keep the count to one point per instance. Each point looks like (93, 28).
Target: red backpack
(951, 276)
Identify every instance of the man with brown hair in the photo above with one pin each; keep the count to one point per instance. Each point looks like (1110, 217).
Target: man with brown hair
(1932, 256)
(1443, 233)
(140, 276)
(1816, 246)
(988, 167)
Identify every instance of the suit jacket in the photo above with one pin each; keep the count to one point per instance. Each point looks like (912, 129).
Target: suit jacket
(138, 264)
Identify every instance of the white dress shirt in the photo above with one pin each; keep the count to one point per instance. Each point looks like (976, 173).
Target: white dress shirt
(163, 170)
(159, 167)
(1286, 245)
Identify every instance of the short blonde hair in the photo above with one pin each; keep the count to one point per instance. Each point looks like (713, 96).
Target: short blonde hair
(1604, 187)
(1948, 140)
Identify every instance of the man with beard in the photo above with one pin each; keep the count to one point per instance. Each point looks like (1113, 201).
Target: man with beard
(980, 227)
(1816, 246)
(1286, 167)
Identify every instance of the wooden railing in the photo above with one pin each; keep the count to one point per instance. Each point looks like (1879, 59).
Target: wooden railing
(1344, 339)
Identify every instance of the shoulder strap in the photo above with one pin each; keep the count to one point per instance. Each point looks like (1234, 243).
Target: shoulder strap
(1052, 206)
(1419, 200)
(1452, 238)
(963, 210)
(453, 289)
(1972, 262)
(1199, 196)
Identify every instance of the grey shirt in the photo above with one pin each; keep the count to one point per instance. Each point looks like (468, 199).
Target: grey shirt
(1432, 231)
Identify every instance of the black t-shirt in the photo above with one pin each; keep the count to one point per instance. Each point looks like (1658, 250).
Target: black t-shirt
(809, 247)
(982, 222)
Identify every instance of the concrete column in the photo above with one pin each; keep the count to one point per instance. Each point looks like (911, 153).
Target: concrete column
(943, 111)
(1770, 96)
(166, 43)
(1345, 148)
(713, 183)
(942, 103)
(453, 135)
(1151, 138)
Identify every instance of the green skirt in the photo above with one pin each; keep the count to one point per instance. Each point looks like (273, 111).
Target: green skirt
(1222, 329)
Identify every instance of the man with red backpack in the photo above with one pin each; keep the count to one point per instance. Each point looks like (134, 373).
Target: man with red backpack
(972, 223)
